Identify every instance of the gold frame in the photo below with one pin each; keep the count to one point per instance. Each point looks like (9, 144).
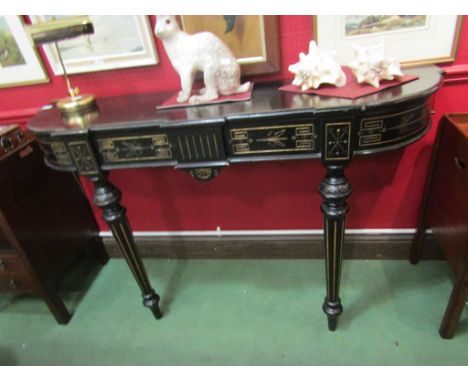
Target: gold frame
(40, 64)
(271, 62)
(425, 61)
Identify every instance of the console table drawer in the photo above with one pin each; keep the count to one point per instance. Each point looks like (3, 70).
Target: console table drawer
(155, 147)
(273, 139)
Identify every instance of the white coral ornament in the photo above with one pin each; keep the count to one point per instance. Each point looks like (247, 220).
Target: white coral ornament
(316, 68)
(371, 66)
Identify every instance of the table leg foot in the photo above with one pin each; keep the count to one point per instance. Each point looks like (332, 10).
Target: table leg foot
(151, 301)
(456, 304)
(332, 323)
(332, 309)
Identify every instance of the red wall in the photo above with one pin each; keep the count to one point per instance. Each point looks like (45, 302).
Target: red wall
(274, 195)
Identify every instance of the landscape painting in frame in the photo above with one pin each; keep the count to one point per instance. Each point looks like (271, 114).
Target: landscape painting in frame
(19, 62)
(253, 39)
(368, 24)
(411, 39)
(117, 42)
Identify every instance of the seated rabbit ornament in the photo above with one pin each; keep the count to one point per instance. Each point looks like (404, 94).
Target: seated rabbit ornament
(203, 52)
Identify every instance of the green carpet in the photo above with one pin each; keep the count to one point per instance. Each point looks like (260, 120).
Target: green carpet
(240, 312)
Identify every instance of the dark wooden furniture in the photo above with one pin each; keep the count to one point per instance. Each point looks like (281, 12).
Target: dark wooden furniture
(128, 131)
(45, 222)
(445, 210)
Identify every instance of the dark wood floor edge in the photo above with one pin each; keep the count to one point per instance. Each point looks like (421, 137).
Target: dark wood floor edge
(357, 246)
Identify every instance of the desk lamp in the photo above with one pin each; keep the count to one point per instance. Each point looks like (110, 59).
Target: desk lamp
(57, 30)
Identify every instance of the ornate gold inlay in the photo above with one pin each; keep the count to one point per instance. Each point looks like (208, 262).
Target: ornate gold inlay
(366, 123)
(61, 154)
(374, 131)
(138, 148)
(370, 139)
(83, 157)
(273, 139)
(337, 141)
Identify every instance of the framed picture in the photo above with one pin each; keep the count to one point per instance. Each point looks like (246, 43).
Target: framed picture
(19, 62)
(254, 40)
(412, 39)
(118, 42)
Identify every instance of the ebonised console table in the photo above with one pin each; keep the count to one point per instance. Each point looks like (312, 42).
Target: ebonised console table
(128, 131)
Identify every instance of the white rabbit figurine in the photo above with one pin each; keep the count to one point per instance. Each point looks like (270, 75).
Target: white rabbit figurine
(203, 52)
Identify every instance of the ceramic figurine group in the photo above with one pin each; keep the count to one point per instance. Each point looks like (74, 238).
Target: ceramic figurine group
(205, 52)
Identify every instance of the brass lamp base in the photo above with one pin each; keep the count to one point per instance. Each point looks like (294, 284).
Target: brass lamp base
(79, 104)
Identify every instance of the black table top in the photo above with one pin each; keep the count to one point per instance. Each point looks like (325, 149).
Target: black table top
(140, 109)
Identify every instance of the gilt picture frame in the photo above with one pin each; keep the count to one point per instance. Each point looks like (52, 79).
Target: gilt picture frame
(121, 41)
(413, 39)
(20, 64)
(254, 39)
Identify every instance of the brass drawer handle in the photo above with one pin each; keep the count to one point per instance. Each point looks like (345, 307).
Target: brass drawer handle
(2, 265)
(460, 164)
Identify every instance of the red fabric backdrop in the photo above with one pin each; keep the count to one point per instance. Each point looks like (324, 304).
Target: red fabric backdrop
(275, 195)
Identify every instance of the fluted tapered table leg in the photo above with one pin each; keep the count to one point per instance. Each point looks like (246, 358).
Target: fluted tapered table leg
(334, 189)
(107, 197)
